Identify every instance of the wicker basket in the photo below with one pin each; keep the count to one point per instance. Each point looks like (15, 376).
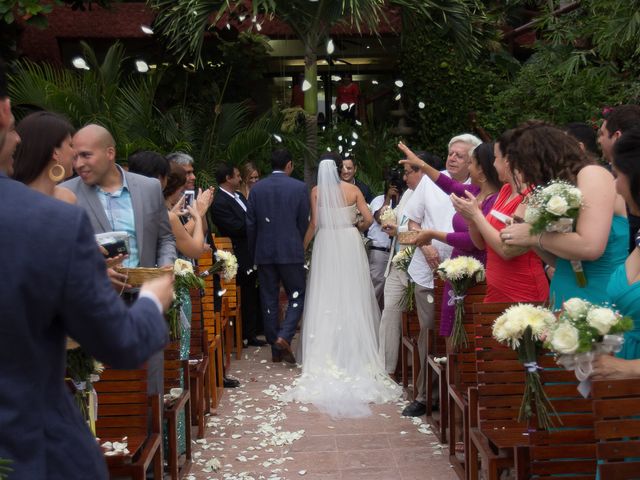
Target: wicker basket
(137, 276)
(407, 238)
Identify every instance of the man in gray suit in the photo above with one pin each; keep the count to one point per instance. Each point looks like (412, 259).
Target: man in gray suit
(116, 200)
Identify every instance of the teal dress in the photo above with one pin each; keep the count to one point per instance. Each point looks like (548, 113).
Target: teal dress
(626, 299)
(564, 285)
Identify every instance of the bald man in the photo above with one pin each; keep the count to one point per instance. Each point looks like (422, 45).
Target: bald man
(122, 201)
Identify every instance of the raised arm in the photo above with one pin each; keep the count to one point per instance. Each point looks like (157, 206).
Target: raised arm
(193, 245)
(415, 161)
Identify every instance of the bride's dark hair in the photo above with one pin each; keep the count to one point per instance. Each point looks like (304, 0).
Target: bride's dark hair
(332, 156)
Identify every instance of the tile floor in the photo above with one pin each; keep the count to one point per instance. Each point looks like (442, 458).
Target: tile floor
(253, 436)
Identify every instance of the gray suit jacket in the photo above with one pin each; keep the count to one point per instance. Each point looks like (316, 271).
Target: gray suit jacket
(156, 243)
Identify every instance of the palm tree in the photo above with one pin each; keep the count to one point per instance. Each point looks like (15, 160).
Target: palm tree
(125, 105)
(184, 23)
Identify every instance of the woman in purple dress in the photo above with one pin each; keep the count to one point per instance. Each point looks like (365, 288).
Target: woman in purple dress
(484, 185)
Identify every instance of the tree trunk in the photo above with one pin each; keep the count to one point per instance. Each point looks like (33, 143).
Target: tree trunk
(311, 117)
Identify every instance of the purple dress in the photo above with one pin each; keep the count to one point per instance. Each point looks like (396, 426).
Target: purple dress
(460, 240)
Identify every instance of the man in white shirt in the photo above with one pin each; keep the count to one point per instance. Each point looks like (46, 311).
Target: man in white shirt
(431, 208)
(396, 280)
(380, 244)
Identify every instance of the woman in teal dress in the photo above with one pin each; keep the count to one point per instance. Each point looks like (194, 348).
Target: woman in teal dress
(542, 153)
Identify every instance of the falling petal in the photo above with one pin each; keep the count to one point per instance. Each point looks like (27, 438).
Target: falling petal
(330, 47)
(398, 97)
(344, 107)
(335, 78)
(146, 29)
(333, 108)
(358, 122)
(295, 305)
(430, 298)
(340, 137)
(258, 27)
(421, 105)
(266, 219)
(354, 135)
(399, 83)
(375, 82)
(222, 292)
(295, 294)
(306, 85)
(277, 137)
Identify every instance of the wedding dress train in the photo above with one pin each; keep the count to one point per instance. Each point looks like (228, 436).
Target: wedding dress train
(342, 371)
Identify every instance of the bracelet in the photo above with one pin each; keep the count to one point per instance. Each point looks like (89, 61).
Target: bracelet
(540, 241)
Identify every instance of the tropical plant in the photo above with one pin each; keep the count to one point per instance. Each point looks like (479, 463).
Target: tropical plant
(125, 105)
(184, 23)
(5, 468)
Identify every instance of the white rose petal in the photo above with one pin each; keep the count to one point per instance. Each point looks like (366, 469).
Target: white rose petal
(565, 339)
(557, 205)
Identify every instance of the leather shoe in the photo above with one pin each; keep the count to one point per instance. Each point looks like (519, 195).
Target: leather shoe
(229, 382)
(285, 348)
(276, 357)
(256, 342)
(414, 409)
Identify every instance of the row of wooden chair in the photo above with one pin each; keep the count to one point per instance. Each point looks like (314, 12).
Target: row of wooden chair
(481, 388)
(125, 409)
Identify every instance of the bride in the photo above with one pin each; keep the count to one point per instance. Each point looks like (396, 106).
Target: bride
(342, 372)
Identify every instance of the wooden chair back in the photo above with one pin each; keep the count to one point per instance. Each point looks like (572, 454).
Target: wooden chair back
(173, 374)
(198, 346)
(500, 376)
(616, 407)
(124, 404)
(207, 300)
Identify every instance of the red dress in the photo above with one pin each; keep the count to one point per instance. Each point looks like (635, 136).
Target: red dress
(520, 279)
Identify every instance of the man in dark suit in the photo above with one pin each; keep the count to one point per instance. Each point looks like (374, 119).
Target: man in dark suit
(277, 220)
(229, 212)
(116, 200)
(348, 174)
(56, 286)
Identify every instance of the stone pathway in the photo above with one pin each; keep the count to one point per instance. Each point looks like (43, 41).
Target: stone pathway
(256, 437)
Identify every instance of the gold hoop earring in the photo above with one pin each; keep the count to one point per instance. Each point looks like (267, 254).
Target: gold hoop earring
(57, 173)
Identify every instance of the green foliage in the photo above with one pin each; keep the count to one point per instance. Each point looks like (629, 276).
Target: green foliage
(34, 12)
(5, 468)
(435, 72)
(126, 106)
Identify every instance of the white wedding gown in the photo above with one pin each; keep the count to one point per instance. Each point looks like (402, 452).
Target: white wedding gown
(342, 371)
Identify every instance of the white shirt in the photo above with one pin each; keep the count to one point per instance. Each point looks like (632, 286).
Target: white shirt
(236, 197)
(378, 237)
(401, 219)
(431, 208)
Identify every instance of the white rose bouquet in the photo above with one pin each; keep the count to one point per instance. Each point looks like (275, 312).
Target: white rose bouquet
(555, 208)
(388, 216)
(401, 261)
(185, 279)
(523, 327)
(83, 371)
(462, 273)
(583, 331)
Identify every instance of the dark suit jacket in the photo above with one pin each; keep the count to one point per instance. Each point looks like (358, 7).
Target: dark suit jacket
(55, 284)
(277, 220)
(231, 221)
(364, 188)
(156, 244)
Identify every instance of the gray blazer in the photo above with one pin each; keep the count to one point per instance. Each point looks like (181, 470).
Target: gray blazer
(156, 243)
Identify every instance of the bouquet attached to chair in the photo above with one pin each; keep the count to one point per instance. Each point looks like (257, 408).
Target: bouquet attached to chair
(462, 273)
(401, 261)
(185, 279)
(82, 372)
(555, 208)
(583, 331)
(523, 328)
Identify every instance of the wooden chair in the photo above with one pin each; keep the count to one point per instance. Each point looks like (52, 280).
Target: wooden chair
(436, 348)
(494, 403)
(199, 365)
(567, 449)
(616, 407)
(213, 332)
(176, 375)
(232, 311)
(126, 411)
(461, 374)
(409, 347)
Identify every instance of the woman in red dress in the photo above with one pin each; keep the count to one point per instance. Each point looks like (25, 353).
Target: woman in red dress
(512, 276)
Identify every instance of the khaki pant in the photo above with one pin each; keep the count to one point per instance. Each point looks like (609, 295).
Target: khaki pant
(390, 322)
(425, 309)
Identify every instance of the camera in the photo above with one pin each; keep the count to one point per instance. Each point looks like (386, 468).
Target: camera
(189, 195)
(115, 243)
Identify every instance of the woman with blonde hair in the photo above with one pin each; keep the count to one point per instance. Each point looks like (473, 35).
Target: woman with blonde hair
(250, 176)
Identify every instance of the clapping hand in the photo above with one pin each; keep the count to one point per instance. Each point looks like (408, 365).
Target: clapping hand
(467, 207)
(178, 208)
(204, 200)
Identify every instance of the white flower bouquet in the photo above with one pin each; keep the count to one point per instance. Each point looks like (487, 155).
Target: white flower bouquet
(523, 327)
(185, 279)
(462, 273)
(555, 208)
(83, 371)
(583, 331)
(401, 261)
(388, 216)
(226, 265)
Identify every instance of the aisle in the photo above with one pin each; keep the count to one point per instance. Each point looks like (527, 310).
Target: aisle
(255, 437)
